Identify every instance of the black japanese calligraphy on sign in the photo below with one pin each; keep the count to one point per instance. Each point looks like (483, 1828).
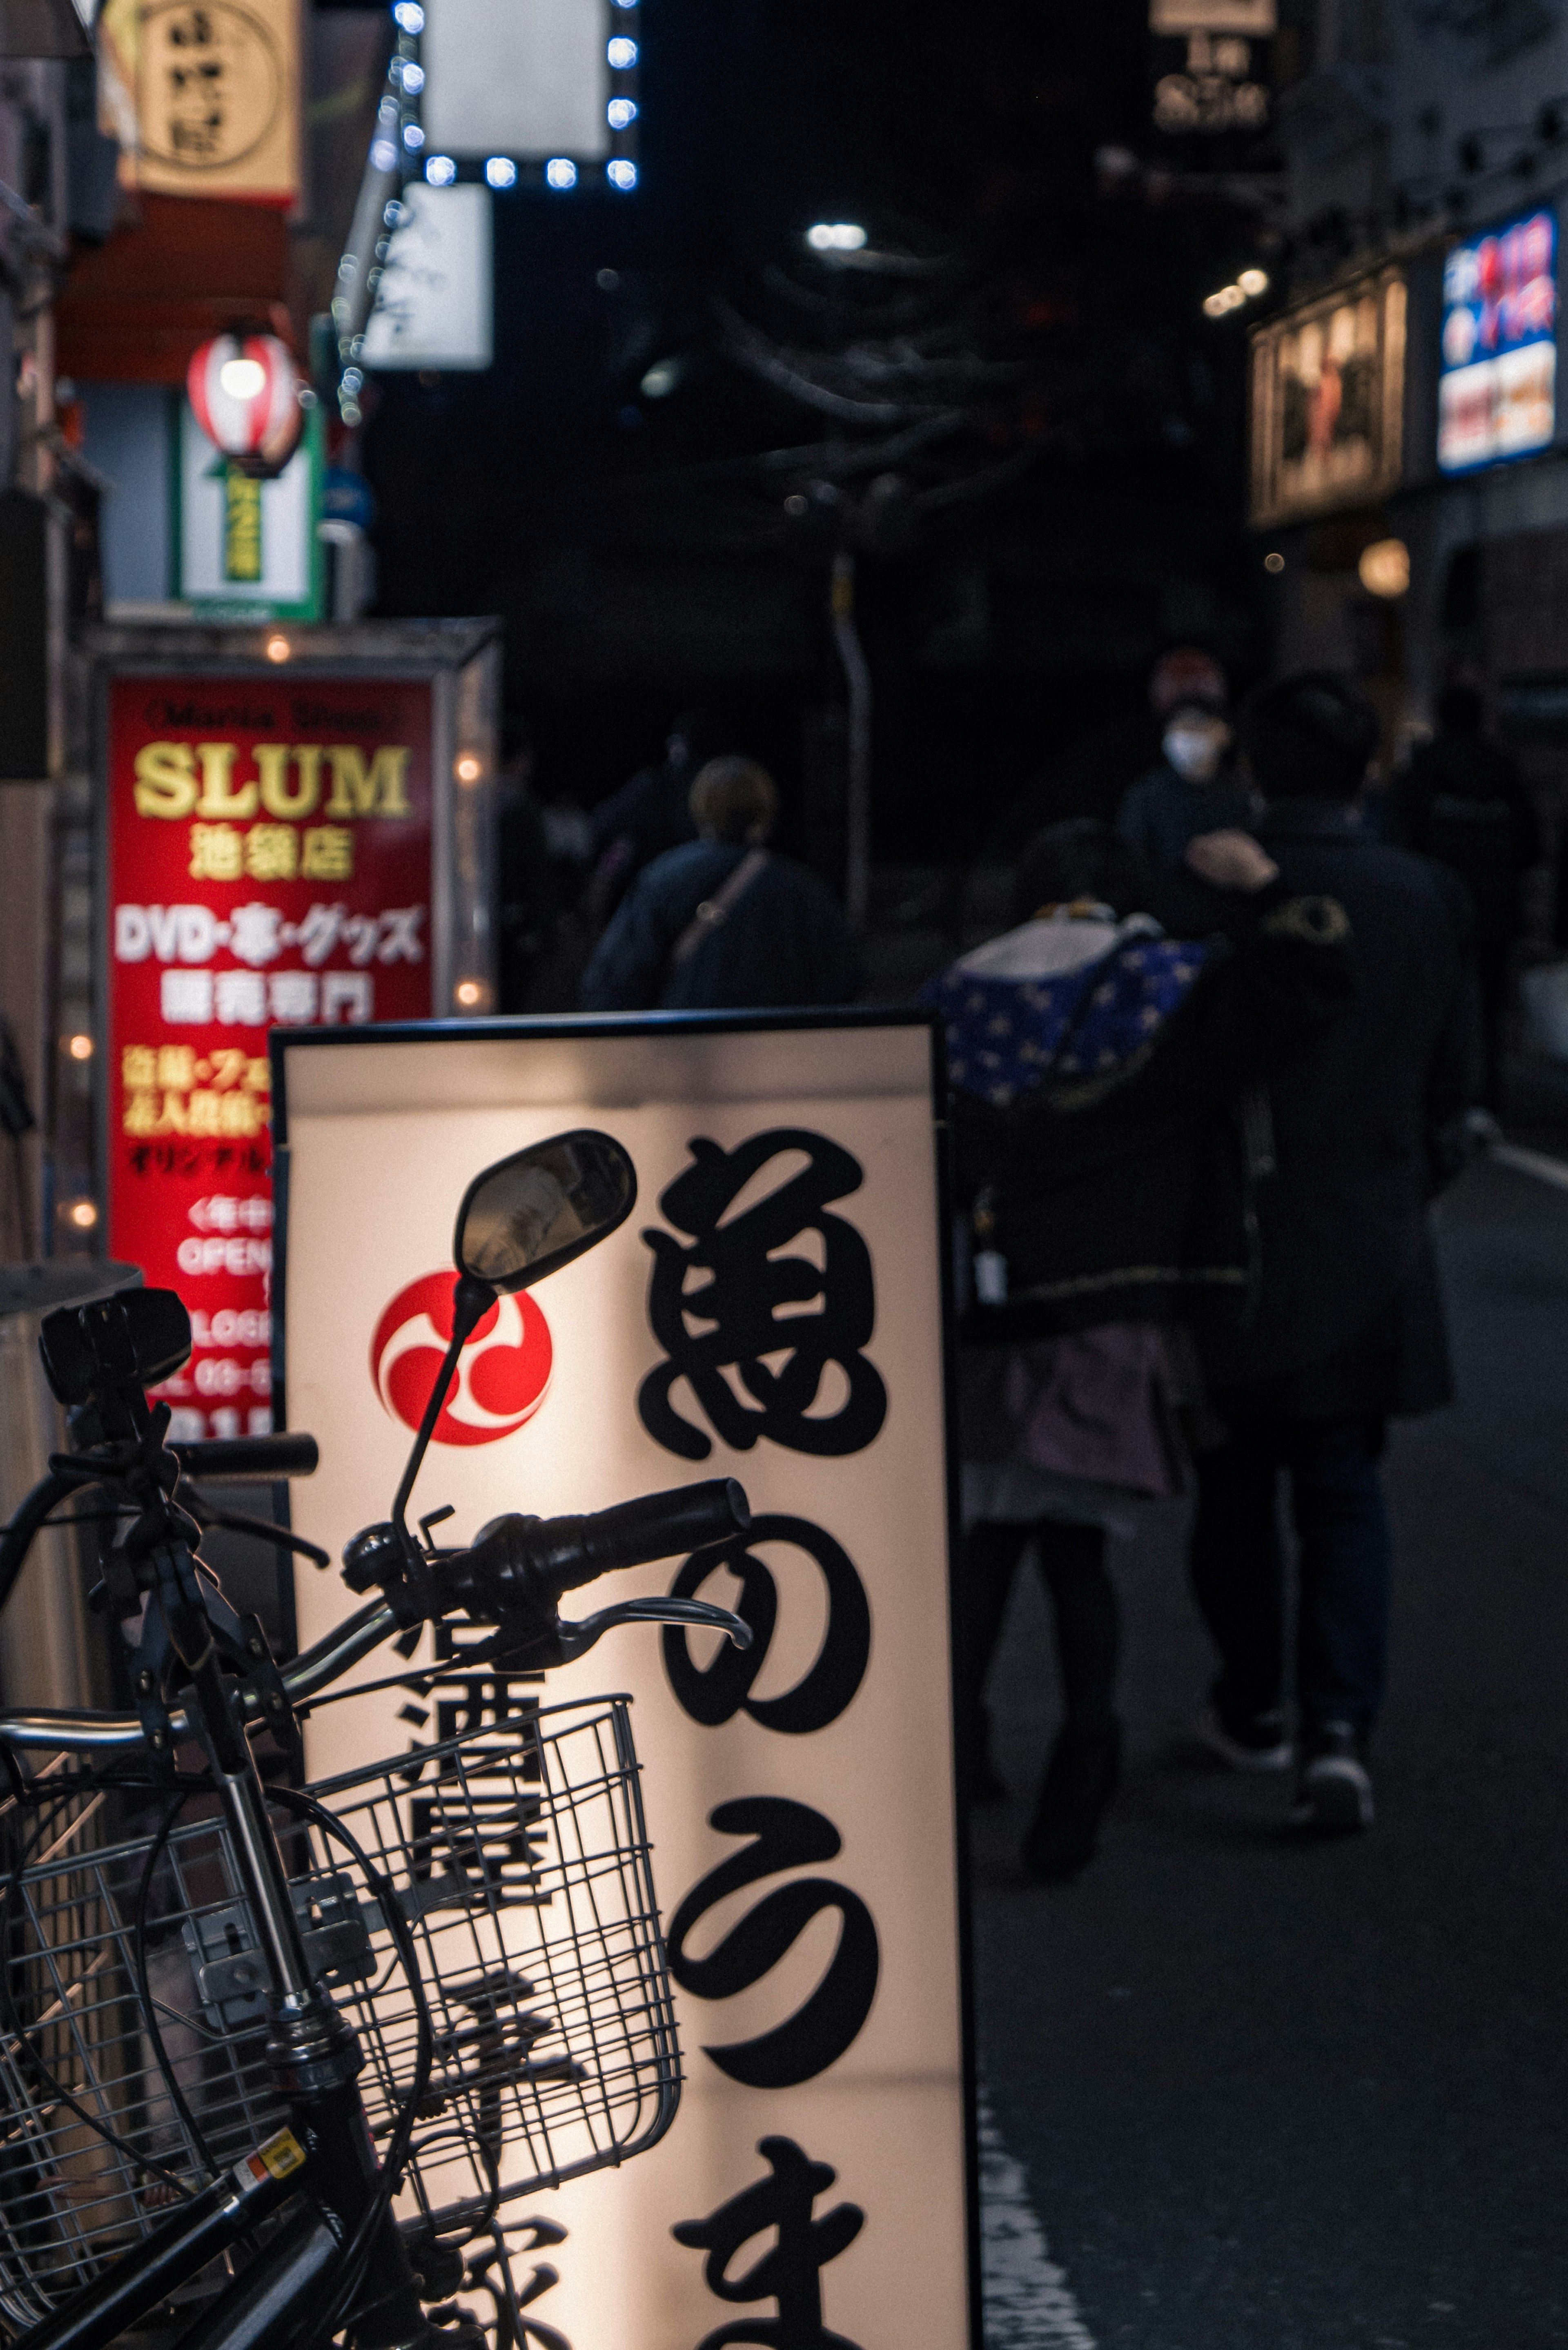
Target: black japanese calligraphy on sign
(714, 1695)
(472, 1820)
(790, 2272)
(762, 1304)
(786, 1833)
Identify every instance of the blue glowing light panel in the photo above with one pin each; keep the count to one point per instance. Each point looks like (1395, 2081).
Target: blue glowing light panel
(1496, 394)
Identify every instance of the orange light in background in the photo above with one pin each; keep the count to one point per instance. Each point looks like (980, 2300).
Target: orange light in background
(278, 648)
(472, 994)
(81, 1214)
(1385, 567)
(79, 1046)
(468, 769)
(1274, 562)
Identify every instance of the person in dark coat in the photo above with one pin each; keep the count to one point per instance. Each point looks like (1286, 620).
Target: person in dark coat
(648, 816)
(1347, 1329)
(1463, 801)
(1094, 1062)
(724, 924)
(1195, 788)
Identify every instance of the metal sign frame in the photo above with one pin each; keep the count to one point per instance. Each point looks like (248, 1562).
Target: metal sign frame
(288, 1045)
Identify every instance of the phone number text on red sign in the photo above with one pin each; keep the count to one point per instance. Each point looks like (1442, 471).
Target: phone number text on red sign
(269, 865)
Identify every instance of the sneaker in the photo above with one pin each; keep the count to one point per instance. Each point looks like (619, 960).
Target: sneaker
(1259, 1741)
(1334, 1794)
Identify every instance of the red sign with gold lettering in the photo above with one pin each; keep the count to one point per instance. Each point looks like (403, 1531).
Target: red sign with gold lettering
(269, 865)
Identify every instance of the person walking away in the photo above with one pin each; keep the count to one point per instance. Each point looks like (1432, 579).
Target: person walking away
(1195, 788)
(648, 816)
(1361, 1129)
(725, 923)
(1091, 1063)
(1461, 800)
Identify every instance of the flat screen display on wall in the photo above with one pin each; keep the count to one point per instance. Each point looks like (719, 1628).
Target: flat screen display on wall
(1496, 394)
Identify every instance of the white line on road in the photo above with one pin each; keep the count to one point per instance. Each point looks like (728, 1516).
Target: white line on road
(1028, 2303)
(1531, 1162)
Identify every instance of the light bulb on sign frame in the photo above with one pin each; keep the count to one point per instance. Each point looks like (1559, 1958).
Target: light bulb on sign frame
(560, 171)
(622, 174)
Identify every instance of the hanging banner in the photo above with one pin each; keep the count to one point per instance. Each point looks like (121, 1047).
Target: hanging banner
(435, 304)
(772, 1311)
(269, 859)
(248, 549)
(203, 96)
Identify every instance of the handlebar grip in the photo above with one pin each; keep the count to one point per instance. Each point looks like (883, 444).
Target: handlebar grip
(517, 1555)
(658, 1525)
(254, 1460)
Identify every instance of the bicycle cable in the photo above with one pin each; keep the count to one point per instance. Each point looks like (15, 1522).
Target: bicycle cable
(25, 2049)
(144, 1986)
(356, 2252)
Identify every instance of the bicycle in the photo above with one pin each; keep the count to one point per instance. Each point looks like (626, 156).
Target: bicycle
(275, 2070)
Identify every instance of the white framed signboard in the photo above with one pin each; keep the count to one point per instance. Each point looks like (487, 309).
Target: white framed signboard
(801, 1797)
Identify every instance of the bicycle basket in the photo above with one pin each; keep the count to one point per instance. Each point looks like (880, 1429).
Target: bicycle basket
(519, 1860)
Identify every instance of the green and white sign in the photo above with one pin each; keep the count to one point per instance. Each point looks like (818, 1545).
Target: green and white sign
(248, 550)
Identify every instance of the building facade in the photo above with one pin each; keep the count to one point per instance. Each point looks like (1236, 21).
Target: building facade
(1427, 153)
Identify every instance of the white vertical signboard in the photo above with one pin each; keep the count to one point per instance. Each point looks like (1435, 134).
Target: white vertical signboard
(771, 1311)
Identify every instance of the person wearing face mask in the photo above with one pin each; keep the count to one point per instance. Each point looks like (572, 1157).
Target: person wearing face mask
(1195, 788)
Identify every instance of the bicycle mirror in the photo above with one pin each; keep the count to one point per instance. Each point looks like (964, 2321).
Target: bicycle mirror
(529, 1215)
(141, 1335)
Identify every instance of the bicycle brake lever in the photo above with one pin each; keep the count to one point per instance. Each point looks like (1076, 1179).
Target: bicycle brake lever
(575, 1640)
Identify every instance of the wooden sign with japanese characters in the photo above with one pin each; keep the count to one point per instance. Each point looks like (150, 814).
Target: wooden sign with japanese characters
(771, 1311)
(269, 859)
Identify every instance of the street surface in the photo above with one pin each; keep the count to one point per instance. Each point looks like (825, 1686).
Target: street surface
(1264, 2096)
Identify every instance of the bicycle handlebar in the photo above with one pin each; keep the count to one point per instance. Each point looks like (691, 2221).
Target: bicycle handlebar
(256, 1460)
(515, 1558)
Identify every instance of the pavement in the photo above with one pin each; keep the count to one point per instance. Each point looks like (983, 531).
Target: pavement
(1249, 2094)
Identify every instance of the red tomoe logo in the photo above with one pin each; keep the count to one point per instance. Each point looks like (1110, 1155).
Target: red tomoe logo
(502, 1373)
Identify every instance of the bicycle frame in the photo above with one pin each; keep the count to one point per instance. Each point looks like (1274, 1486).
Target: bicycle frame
(341, 2261)
(326, 2152)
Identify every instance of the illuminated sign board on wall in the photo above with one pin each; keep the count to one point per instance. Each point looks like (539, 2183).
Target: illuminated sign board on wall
(1328, 402)
(1496, 394)
(286, 843)
(823, 2117)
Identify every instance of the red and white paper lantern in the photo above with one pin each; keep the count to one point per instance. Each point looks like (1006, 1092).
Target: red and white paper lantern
(245, 389)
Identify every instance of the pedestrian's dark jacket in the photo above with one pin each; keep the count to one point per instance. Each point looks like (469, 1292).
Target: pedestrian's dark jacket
(1162, 812)
(1462, 801)
(1115, 1169)
(1349, 1316)
(785, 943)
